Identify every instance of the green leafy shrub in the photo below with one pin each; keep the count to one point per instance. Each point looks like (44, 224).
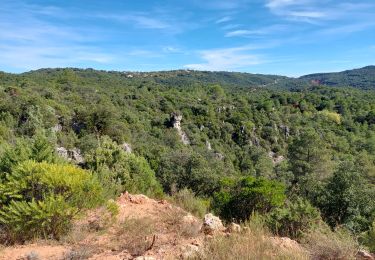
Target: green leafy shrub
(41, 199)
(249, 194)
(132, 172)
(293, 219)
(368, 238)
(48, 218)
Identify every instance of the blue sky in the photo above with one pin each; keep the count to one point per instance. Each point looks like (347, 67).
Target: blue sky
(288, 37)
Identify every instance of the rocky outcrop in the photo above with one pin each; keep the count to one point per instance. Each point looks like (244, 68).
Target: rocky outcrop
(212, 224)
(219, 156)
(208, 145)
(73, 155)
(57, 128)
(276, 159)
(127, 147)
(285, 130)
(176, 123)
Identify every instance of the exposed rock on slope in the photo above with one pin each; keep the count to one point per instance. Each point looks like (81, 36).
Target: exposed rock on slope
(176, 123)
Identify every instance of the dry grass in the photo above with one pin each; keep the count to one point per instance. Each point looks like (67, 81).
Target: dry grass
(80, 253)
(136, 236)
(326, 244)
(176, 224)
(253, 243)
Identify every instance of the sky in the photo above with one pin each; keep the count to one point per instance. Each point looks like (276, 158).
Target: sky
(285, 37)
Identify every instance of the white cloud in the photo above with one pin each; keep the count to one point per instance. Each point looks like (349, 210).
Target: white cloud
(272, 29)
(138, 20)
(224, 19)
(227, 59)
(313, 10)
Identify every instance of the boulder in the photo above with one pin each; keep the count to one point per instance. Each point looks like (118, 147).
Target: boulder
(75, 155)
(234, 228)
(62, 152)
(212, 224)
(71, 154)
(363, 254)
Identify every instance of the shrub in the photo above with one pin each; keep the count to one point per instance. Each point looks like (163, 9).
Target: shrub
(41, 199)
(323, 243)
(249, 194)
(132, 172)
(186, 199)
(294, 218)
(49, 218)
(368, 238)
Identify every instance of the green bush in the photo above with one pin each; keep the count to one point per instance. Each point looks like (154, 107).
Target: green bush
(248, 195)
(114, 165)
(41, 199)
(48, 218)
(293, 219)
(368, 238)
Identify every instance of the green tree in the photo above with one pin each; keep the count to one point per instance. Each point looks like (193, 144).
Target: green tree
(239, 199)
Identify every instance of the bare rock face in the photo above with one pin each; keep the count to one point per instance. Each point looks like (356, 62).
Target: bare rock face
(70, 155)
(219, 156)
(57, 128)
(75, 155)
(212, 224)
(208, 145)
(285, 130)
(127, 147)
(176, 123)
(276, 159)
(62, 152)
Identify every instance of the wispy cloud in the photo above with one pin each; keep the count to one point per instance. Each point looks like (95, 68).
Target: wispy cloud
(138, 20)
(224, 19)
(227, 59)
(312, 10)
(257, 32)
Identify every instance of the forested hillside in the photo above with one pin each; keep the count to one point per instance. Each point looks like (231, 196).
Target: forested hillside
(297, 154)
(363, 78)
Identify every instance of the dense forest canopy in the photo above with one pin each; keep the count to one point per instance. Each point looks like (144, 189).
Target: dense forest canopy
(245, 142)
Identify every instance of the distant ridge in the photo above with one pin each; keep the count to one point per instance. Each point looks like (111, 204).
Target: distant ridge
(363, 78)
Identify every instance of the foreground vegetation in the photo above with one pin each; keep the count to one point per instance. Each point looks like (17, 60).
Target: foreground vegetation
(297, 157)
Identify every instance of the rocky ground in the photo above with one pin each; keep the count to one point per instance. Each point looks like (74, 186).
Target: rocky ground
(144, 229)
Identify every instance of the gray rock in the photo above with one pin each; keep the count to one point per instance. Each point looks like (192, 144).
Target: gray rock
(62, 152)
(176, 123)
(127, 147)
(219, 156)
(208, 145)
(75, 155)
(70, 155)
(212, 224)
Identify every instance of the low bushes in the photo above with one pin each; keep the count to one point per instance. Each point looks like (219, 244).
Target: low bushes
(41, 199)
